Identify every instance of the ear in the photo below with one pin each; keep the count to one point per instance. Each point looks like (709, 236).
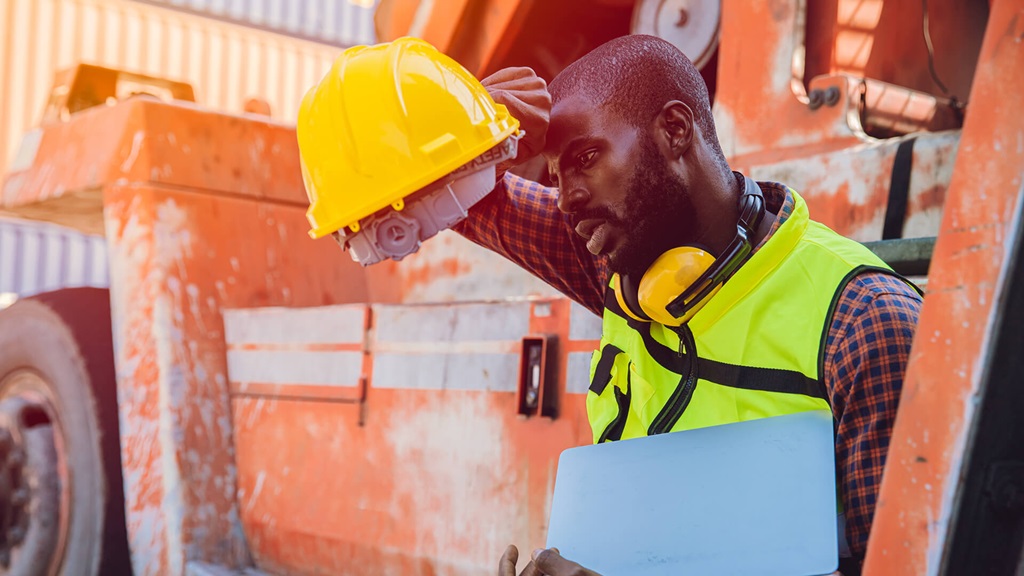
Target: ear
(675, 123)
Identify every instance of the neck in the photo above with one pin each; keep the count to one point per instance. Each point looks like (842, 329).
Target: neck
(726, 187)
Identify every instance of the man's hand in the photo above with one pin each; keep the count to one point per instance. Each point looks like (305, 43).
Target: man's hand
(545, 563)
(507, 564)
(526, 96)
(550, 563)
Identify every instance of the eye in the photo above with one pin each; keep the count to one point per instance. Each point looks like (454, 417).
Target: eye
(586, 159)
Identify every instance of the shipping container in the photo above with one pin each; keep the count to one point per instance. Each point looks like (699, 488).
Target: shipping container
(338, 22)
(226, 62)
(39, 257)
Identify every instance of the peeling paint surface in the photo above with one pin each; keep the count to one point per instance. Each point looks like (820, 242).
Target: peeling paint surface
(848, 189)
(191, 230)
(167, 250)
(420, 480)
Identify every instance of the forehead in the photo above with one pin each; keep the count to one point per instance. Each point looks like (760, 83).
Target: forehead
(576, 117)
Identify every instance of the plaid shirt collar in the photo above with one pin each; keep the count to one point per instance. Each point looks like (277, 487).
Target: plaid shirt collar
(778, 202)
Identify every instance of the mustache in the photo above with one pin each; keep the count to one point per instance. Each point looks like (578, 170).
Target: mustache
(596, 213)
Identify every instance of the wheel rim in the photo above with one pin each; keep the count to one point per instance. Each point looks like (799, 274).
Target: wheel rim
(34, 519)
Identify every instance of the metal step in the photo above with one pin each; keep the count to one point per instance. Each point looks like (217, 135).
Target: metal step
(907, 256)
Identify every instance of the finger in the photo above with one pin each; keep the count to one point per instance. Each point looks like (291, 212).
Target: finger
(531, 570)
(507, 564)
(529, 79)
(507, 74)
(536, 89)
(551, 563)
(540, 100)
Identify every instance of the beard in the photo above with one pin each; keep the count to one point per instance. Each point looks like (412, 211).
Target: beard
(657, 214)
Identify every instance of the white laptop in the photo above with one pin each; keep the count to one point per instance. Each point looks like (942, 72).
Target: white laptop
(756, 497)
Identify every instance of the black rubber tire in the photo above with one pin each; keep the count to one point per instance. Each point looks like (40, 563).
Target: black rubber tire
(65, 337)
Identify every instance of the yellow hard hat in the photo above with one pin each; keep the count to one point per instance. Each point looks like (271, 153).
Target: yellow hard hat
(385, 122)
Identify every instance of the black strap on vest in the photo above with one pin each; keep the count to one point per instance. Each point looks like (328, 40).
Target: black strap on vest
(721, 373)
(613, 432)
(603, 372)
(899, 190)
(764, 379)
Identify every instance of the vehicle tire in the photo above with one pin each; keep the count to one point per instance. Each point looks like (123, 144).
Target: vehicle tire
(58, 407)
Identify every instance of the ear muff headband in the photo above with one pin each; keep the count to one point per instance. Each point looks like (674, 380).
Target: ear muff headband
(751, 213)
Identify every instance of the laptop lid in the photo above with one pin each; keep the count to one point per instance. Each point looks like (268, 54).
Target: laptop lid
(755, 497)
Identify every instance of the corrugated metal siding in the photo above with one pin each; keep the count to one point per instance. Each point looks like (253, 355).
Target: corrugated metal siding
(37, 257)
(339, 22)
(225, 62)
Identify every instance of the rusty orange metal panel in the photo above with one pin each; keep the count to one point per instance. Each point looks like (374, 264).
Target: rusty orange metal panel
(435, 22)
(177, 258)
(432, 484)
(848, 189)
(765, 75)
(938, 408)
(438, 472)
(868, 37)
(143, 140)
(223, 232)
(473, 33)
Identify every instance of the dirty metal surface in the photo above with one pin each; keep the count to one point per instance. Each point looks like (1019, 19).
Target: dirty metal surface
(176, 259)
(202, 211)
(938, 409)
(436, 473)
(303, 353)
(758, 76)
(473, 33)
(848, 189)
(178, 145)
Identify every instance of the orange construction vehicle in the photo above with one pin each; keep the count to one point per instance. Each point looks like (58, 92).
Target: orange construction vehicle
(247, 400)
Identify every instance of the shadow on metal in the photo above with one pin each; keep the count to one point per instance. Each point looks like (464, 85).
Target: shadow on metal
(988, 527)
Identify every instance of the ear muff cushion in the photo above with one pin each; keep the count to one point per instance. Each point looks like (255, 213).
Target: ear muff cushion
(617, 287)
(670, 275)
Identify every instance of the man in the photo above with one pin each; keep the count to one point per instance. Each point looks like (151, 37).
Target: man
(809, 320)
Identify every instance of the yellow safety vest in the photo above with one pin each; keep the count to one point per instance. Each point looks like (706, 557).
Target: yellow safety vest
(754, 350)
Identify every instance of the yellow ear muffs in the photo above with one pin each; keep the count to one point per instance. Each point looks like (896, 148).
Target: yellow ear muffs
(673, 273)
(683, 279)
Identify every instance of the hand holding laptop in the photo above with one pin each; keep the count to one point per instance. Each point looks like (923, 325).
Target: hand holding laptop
(754, 497)
(546, 562)
(549, 562)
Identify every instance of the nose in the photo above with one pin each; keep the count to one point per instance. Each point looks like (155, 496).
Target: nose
(572, 200)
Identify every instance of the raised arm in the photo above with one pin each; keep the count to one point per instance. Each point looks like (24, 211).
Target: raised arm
(520, 219)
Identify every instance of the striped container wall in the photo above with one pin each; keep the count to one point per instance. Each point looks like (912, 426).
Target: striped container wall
(338, 22)
(225, 62)
(37, 257)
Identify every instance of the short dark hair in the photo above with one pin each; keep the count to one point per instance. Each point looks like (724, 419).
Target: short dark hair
(634, 76)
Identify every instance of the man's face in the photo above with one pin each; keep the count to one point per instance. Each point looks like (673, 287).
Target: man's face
(617, 186)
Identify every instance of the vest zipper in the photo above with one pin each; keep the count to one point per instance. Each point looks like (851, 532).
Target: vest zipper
(680, 398)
